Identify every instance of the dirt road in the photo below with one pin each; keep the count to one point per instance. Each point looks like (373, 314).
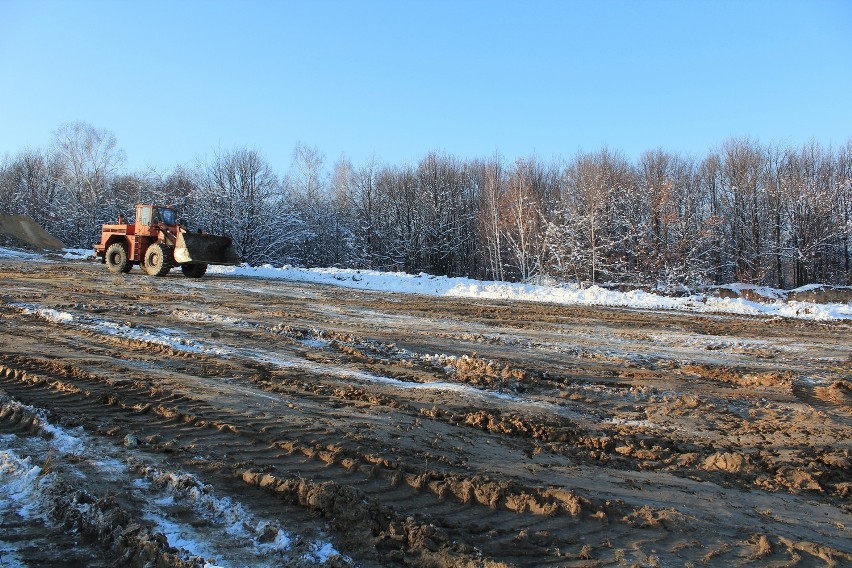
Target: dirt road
(370, 429)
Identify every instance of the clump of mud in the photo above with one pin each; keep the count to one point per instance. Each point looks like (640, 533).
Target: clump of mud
(475, 370)
(739, 377)
(838, 392)
(729, 462)
(646, 517)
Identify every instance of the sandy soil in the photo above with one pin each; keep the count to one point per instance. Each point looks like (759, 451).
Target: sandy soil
(418, 431)
(22, 230)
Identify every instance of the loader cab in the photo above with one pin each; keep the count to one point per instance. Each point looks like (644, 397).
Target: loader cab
(147, 215)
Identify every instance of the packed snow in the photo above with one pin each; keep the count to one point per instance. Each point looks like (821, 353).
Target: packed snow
(49, 314)
(565, 294)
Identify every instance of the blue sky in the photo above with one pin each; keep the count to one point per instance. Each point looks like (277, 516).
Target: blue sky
(176, 81)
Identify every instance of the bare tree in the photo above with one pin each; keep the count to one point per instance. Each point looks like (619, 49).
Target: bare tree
(813, 202)
(307, 192)
(744, 180)
(89, 158)
(708, 185)
(492, 190)
(403, 230)
(591, 184)
(844, 189)
(342, 245)
(531, 190)
(238, 194)
(448, 210)
(368, 212)
(30, 185)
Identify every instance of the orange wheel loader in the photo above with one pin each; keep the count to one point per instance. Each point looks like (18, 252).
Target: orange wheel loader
(157, 243)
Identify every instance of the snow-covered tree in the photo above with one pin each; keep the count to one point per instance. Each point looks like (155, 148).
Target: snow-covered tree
(237, 194)
(531, 191)
(591, 186)
(88, 159)
(30, 184)
(306, 187)
(777, 215)
(490, 182)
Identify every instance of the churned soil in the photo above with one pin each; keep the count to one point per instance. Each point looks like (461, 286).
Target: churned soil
(422, 431)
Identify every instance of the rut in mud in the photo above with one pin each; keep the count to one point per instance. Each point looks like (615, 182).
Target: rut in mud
(407, 430)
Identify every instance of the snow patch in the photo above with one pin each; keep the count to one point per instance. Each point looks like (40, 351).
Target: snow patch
(203, 317)
(315, 343)
(78, 254)
(170, 338)
(165, 337)
(50, 315)
(64, 441)
(18, 254)
(321, 552)
(558, 294)
(632, 423)
(20, 483)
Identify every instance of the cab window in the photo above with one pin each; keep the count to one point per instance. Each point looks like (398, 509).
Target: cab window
(143, 216)
(167, 216)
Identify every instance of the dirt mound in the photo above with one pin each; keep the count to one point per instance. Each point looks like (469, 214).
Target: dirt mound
(22, 230)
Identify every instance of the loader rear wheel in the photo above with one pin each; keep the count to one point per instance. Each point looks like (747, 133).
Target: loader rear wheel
(116, 258)
(193, 270)
(158, 260)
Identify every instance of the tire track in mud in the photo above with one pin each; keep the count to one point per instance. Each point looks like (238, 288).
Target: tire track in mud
(141, 513)
(485, 491)
(832, 395)
(317, 486)
(608, 446)
(338, 451)
(322, 492)
(594, 441)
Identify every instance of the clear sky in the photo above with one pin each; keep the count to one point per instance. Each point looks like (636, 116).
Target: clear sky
(177, 80)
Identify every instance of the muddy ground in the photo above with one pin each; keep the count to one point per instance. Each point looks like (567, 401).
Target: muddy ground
(418, 431)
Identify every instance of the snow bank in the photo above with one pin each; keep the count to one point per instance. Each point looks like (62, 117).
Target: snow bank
(570, 295)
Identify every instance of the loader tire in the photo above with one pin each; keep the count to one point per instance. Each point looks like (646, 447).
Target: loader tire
(116, 258)
(158, 260)
(193, 270)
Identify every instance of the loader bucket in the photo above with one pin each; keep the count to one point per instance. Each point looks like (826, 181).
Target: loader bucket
(206, 249)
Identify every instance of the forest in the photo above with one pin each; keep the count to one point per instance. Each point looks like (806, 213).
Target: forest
(745, 212)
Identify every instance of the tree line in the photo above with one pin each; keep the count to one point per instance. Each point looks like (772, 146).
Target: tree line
(745, 212)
